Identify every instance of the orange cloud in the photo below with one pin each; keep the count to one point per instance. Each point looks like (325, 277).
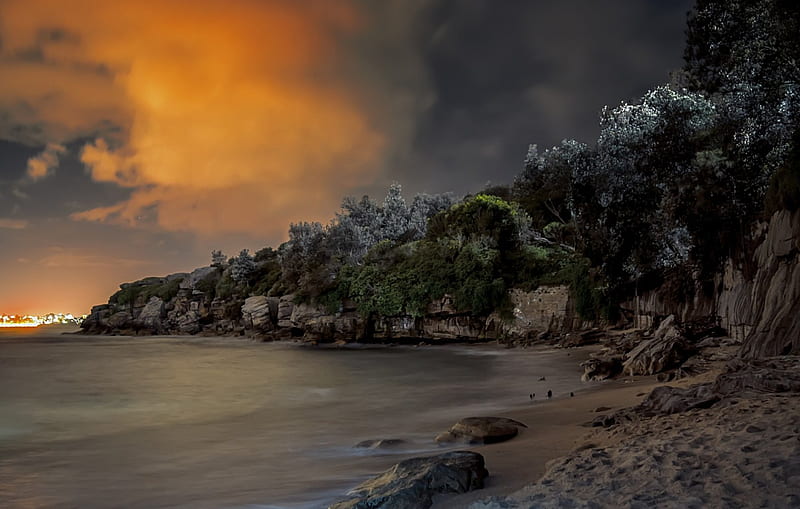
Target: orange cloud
(46, 162)
(219, 116)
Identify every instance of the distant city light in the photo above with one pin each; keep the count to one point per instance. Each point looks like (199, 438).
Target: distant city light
(35, 321)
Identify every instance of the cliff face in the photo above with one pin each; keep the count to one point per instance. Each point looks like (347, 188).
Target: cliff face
(136, 310)
(767, 308)
(761, 311)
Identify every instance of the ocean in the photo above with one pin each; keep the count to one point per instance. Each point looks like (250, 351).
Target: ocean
(155, 422)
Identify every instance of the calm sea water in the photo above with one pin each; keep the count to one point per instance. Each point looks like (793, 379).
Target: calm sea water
(225, 423)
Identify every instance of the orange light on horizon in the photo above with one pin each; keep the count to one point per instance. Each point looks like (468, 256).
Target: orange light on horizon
(32, 321)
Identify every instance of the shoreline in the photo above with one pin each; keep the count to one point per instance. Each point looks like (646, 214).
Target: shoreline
(555, 429)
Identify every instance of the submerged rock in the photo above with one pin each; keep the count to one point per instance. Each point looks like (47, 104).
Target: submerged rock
(381, 443)
(411, 484)
(481, 430)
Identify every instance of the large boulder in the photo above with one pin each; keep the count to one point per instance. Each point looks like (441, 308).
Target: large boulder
(152, 315)
(666, 349)
(303, 313)
(481, 430)
(256, 313)
(120, 320)
(411, 484)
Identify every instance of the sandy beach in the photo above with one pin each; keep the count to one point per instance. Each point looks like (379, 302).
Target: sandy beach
(742, 450)
(555, 428)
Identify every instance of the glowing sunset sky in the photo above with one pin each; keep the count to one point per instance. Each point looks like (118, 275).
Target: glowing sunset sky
(135, 136)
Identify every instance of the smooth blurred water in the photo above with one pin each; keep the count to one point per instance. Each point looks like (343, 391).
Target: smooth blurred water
(226, 423)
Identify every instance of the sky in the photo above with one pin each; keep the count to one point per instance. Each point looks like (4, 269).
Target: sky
(138, 135)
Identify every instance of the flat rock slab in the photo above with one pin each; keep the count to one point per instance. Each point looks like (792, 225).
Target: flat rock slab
(411, 484)
(481, 430)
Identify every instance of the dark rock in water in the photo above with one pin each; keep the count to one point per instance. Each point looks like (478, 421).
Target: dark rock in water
(411, 484)
(481, 430)
(381, 443)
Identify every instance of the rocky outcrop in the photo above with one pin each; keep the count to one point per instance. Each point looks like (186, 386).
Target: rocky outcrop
(412, 484)
(481, 430)
(152, 315)
(545, 309)
(666, 349)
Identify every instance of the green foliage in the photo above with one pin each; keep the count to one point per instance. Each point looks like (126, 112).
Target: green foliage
(267, 272)
(479, 217)
(146, 288)
(593, 299)
(225, 288)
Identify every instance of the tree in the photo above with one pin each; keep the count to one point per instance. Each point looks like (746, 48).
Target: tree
(395, 217)
(242, 267)
(544, 188)
(218, 259)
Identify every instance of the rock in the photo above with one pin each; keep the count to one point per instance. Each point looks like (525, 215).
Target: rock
(601, 368)
(152, 315)
(97, 320)
(672, 400)
(120, 320)
(604, 421)
(302, 313)
(256, 314)
(771, 375)
(481, 430)
(576, 339)
(774, 375)
(382, 443)
(285, 308)
(197, 275)
(189, 322)
(763, 310)
(666, 349)
(411, 484)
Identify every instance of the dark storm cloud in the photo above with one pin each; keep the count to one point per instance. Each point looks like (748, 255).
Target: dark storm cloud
(506, 74)
(67, 189)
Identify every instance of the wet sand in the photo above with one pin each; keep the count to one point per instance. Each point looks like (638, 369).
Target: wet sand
(555, 428)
